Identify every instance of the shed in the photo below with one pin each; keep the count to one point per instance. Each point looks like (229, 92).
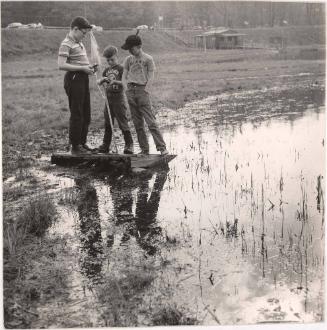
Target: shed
(278, 42)
(220, 38)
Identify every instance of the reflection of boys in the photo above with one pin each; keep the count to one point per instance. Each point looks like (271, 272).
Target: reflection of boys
(146, 213)
(90, 230)
(143, 226)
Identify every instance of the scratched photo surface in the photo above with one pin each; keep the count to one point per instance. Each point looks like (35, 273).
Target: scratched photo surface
(228, 228)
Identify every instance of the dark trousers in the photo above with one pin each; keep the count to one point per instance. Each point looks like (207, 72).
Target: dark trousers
(118, 111)
(76, 85)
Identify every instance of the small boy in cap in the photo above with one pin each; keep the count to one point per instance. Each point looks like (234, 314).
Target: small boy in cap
(138, 75)
(112, 76)
(73, 59)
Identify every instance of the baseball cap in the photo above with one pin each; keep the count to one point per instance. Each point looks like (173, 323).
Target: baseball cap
(81, 23)
(109, 51)
(132, 40)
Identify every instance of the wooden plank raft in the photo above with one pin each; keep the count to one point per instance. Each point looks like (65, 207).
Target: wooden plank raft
(112, 160)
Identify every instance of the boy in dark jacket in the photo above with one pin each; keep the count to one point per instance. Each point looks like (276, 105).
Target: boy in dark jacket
(112, 76)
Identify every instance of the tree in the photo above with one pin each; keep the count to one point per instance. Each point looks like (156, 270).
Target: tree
(112, 14)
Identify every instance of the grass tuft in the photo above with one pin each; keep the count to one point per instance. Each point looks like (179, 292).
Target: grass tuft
(170, 315)
(38, 216)
(34, 219)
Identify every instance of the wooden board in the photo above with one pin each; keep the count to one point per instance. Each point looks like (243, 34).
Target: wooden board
(112, 160)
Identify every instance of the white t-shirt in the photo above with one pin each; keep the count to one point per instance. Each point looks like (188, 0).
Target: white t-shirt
(139, 68)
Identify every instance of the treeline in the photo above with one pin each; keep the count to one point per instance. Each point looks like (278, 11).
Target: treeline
(166, 14)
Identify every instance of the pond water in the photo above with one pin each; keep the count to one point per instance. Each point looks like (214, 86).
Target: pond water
(231, 233)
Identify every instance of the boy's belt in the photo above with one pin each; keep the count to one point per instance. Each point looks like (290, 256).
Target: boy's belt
(134, 85)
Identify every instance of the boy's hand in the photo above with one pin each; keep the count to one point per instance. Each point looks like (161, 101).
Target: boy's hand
(95, 68)
(88, 70)
(148, 88)
(102, 80)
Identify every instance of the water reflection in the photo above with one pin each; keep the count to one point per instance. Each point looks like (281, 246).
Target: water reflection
(263, 168)
(233, 200)
(146, 229)
(135, 208)
(90, 230)
(142, 225)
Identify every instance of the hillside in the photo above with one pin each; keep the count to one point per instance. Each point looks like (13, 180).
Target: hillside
(21, 42)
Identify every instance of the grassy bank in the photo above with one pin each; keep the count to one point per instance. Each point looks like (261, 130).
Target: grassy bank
(16, 43)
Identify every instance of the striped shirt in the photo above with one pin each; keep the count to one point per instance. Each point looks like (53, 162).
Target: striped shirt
(74, 51)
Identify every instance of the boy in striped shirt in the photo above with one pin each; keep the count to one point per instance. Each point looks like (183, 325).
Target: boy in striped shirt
(73, 59)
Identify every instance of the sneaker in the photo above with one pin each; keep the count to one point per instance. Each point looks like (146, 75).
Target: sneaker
(103, 149)
(129, 149)
(86, 147)
(79, 150)
(143, 153)
(164, 152)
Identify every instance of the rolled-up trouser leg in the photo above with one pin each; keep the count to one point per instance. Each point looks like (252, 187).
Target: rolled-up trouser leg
(118, 107)
(108, 131)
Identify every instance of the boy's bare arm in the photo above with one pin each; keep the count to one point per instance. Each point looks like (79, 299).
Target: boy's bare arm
(63, 65)
(102, 80)
(124, 79)
(116, 82)
(148, 86)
